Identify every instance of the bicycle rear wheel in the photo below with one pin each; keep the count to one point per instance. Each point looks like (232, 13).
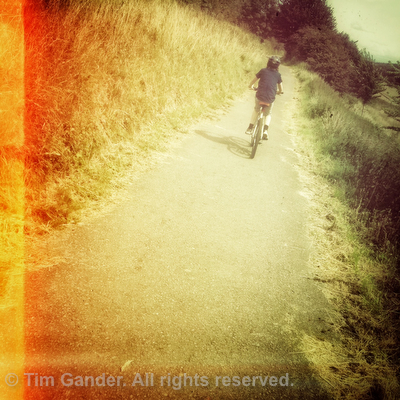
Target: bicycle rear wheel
(255, 138)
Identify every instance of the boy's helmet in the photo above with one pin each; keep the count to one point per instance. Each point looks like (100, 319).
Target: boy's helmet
(273, 62)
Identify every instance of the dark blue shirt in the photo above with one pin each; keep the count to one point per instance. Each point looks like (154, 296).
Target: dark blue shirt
(269, 79)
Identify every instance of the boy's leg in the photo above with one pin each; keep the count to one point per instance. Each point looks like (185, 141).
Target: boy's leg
(253, 116)
(255, 111)
(267, 114)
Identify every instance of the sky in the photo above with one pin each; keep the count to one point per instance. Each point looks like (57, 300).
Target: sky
(375, 24)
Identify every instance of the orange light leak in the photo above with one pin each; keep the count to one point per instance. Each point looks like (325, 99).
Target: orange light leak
(11, 199)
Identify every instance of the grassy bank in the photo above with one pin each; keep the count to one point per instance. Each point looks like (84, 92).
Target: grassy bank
(364, 159)
(11, 194)
(353, 186)
(108, 84)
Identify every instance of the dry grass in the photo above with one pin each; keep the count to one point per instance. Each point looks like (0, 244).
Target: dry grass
(111, 83)
(11, 194)
(11, 84)
(362, 362)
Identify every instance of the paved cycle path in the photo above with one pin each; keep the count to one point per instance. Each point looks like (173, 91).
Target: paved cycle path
(202, 269)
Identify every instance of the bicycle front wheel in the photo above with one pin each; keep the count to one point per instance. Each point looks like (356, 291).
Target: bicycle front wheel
(255, 138)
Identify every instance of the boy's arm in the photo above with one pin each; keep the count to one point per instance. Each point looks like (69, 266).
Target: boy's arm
(253, 82)
(280, 88)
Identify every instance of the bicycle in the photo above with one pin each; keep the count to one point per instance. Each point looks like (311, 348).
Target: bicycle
(258, 129)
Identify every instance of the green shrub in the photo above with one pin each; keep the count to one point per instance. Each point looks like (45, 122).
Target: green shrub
(295, 15)
(329, 54)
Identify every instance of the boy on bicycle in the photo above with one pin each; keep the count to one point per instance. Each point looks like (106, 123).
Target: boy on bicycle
(270, 82)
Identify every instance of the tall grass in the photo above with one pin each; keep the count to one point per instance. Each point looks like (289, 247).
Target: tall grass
(11, 193)
(356, 252)
(364, 159)
(107, 83)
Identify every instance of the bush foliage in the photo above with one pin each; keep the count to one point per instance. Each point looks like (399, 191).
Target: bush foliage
(259, 16)
(329, 54)
(337, 60)
(295, 15)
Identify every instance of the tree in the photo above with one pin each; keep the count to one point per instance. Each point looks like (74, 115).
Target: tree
(369, 78)
(259, 16)
(328, 53)
(297, 14)
(394, 73)
(393, 77)
(337, 60)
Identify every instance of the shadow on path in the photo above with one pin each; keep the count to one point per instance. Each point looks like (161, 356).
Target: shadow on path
(237, 146)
